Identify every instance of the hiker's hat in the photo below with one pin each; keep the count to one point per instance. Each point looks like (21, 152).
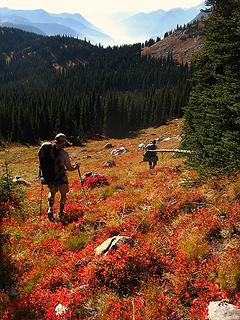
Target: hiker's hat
(60, 137)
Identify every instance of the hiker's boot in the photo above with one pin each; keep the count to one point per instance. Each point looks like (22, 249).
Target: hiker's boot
(50, 214)
(50, 209)
(50, 204)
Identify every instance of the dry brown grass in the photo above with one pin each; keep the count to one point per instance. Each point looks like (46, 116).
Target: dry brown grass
(23, 160)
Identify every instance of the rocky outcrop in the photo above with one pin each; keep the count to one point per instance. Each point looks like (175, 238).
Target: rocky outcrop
(113, 243)
(222, 310)
(118, 151)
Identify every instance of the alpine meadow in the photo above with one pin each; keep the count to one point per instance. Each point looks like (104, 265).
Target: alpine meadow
(119, 174)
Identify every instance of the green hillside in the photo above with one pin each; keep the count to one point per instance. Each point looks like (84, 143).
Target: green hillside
(60, 83)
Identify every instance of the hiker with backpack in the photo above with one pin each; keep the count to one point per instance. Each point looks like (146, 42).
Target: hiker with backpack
(150, 155)
(54, 162)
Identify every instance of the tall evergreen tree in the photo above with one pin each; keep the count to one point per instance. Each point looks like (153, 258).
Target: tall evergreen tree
(213, 113)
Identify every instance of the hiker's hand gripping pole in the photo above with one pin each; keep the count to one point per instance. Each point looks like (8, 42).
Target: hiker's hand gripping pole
(81, 182)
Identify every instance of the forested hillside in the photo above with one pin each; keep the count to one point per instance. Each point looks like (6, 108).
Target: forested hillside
(28, 56)
(59, 83)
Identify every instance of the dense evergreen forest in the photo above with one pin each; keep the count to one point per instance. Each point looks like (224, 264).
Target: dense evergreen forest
(51, 84)
(213, 112)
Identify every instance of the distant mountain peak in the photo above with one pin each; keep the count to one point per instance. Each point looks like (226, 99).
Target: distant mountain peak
(126, 27)
(43, 22)
(143, 26)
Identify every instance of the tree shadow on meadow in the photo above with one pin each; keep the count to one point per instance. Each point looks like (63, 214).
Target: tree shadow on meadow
(7, 268)
(8, 198)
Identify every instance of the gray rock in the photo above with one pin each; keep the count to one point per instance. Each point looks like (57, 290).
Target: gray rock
(108, 146)
(166, 139)
(89, 174)
(60, 309)
(222, 310)
(109, 164)
(141, 146)
(113, 243)
(20, 180)
(119, 151)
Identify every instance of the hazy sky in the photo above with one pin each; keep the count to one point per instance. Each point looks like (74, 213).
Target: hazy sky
(98, 11)
(92, 8)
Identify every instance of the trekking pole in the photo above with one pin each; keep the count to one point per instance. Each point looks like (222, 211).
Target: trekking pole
(83, 190)
(41, 199)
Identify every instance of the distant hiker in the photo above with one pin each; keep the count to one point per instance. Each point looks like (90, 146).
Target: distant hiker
(54, 162)
(150, 156)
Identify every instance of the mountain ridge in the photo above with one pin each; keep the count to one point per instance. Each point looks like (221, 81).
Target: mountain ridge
(130, 29)
(182, 43)
(54, 24)
(155, 23)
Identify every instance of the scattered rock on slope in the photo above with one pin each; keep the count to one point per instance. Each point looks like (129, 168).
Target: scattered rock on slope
(113, 243)
(222, 310)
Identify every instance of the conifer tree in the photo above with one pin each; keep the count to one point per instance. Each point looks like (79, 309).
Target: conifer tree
(213, 112)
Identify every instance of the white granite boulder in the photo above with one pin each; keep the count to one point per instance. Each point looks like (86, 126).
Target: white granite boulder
(222, 310)
(60, 310)
(118, 151)
(113, 243)
(141, 146)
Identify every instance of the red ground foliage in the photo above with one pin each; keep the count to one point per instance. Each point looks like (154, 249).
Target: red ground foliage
(186, 252)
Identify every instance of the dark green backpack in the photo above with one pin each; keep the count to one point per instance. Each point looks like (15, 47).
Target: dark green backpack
(149, 154)
(48, 159)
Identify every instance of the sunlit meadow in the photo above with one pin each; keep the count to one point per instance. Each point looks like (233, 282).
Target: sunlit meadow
(186, 231)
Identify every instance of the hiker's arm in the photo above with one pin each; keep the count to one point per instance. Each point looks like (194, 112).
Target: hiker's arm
(68, 164)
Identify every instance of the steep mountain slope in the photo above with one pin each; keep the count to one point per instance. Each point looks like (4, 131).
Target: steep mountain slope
(182, 43)
(54, 24)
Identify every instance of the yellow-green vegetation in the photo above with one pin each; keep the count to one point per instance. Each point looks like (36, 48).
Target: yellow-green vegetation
(229, 272)
(194, 244)
(74, 242)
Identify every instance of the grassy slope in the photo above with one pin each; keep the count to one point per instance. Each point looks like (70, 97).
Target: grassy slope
(188, 233)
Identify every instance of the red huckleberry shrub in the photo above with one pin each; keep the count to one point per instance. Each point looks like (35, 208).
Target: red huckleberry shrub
(96, 181)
